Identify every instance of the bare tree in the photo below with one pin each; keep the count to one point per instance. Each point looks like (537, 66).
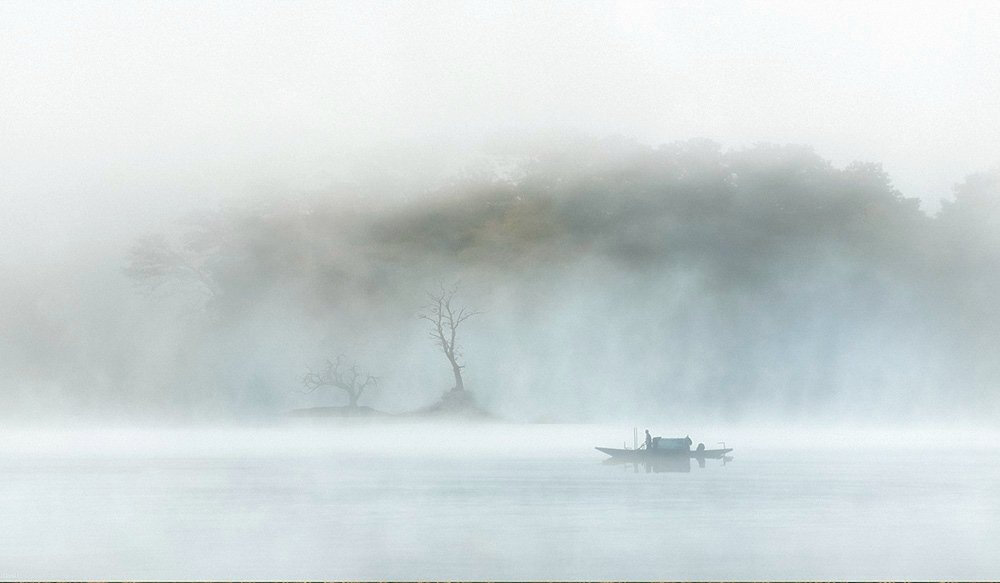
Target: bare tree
(445, 318)
(351, 379)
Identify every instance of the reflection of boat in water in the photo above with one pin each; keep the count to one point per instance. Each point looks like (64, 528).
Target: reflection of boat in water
(642, 453)
(674, 463)
(658, 464)
(661, 451)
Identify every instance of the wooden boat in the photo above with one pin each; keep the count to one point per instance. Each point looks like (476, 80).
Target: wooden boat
(643, 453)
(661, 447)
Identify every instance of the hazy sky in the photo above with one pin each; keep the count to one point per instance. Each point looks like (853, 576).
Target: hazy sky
(115, 114)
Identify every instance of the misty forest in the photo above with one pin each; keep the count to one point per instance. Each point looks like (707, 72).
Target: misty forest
(587, 280)
(328, 290)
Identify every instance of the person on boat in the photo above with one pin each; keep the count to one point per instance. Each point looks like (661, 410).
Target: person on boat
(649, 440)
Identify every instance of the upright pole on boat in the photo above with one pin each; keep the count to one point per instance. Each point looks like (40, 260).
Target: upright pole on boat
(635, 438)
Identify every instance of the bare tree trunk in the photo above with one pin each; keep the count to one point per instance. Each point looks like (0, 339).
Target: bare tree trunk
(457, 369)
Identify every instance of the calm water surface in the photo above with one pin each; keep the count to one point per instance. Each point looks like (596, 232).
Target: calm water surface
(269, 504)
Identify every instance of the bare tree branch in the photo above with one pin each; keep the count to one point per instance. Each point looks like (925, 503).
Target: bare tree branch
(154, 261)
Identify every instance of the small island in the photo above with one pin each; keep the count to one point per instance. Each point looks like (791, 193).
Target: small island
(444, 317)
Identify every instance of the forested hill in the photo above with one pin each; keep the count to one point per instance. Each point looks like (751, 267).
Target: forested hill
(740, 216)
(614, 278)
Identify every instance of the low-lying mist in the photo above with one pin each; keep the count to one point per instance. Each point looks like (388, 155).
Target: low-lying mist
(615, 281)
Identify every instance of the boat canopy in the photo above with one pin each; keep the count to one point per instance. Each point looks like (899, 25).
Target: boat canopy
(671, 443)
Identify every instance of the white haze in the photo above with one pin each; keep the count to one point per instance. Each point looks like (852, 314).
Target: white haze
(114, 114)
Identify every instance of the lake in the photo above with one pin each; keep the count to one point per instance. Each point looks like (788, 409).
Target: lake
(399, 501)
